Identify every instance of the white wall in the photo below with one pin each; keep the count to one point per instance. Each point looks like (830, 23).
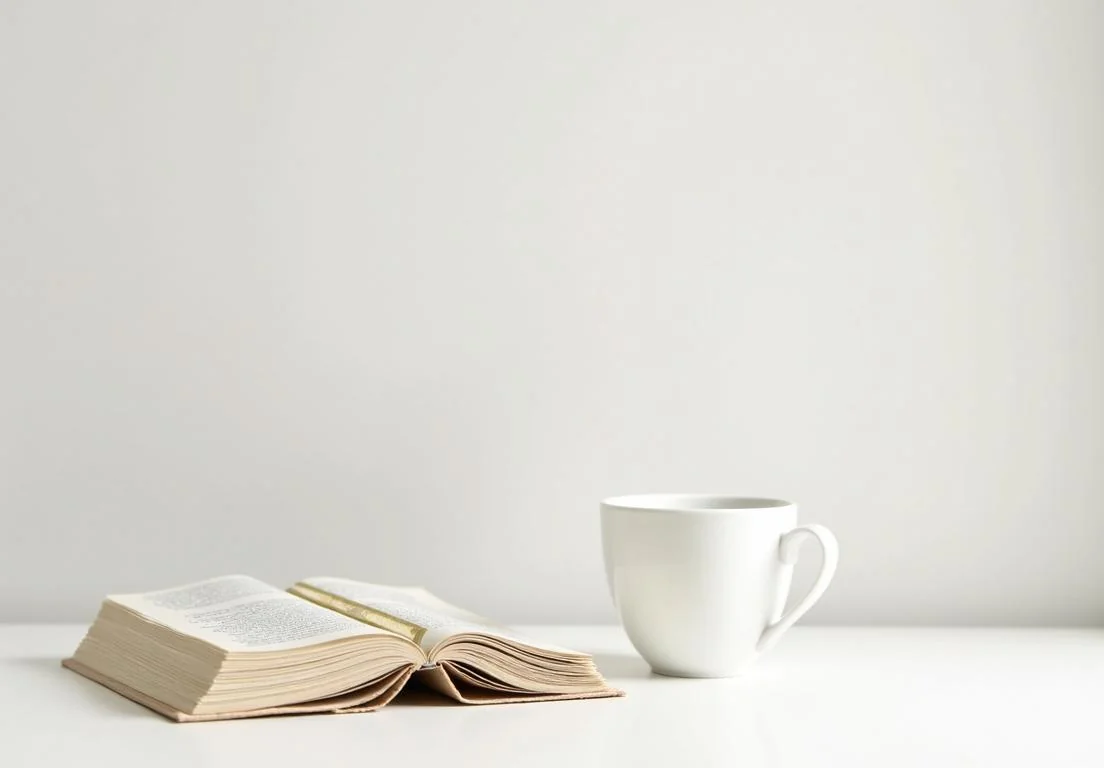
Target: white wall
(398, 291)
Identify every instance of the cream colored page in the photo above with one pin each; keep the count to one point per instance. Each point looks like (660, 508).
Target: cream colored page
(415, 605)
(240, 613)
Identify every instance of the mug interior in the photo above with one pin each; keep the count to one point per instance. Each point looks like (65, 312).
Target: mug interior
(693, 502)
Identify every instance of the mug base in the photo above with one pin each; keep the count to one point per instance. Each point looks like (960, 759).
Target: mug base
(719, 675)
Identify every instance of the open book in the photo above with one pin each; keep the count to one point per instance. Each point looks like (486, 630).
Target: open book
(236, 647)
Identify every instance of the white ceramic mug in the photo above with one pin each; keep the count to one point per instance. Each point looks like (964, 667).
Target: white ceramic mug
(700, 582)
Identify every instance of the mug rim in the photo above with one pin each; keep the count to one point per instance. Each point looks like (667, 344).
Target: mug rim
(698, 503)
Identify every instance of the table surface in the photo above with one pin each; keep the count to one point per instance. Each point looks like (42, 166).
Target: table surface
(823, 697)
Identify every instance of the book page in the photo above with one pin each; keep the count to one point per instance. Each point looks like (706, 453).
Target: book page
(240, 613)
(410, 611)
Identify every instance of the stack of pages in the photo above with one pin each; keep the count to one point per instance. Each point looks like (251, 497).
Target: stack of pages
(235, 646)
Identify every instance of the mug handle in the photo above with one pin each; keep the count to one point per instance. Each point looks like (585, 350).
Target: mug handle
(788, 549)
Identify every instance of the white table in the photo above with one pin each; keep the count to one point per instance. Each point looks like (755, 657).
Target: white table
(824, 697)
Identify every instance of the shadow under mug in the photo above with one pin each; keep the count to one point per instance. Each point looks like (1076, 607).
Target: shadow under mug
(700, 581)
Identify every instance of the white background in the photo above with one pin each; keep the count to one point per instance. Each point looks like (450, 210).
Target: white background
(399, 291)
